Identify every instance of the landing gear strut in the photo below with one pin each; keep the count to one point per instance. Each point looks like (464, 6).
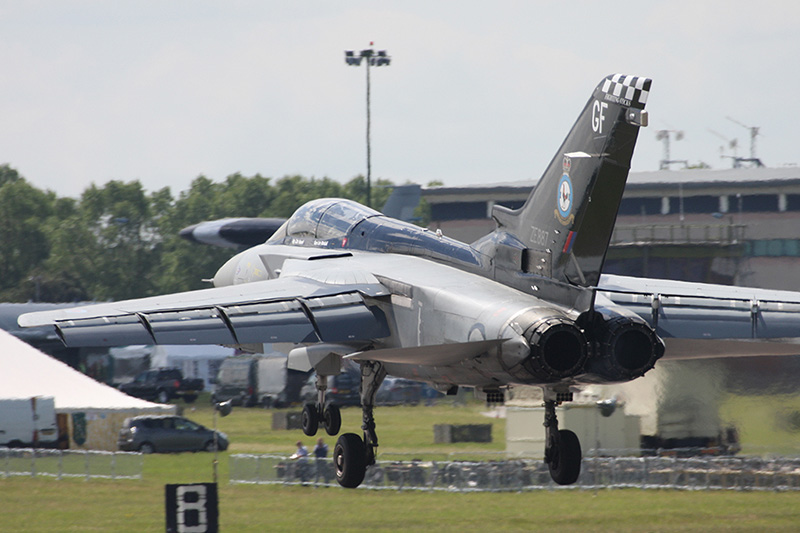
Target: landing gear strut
(352, 454)
(318, 413)
(562, 451)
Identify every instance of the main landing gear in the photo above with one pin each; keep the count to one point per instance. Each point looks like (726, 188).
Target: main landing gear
(318, 413)
(562, 451)
(352, 454)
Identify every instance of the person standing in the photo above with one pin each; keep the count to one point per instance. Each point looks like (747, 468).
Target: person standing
(301, 456)
(320, 461)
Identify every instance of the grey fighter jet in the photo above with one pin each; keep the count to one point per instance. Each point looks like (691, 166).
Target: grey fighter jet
(526, 304)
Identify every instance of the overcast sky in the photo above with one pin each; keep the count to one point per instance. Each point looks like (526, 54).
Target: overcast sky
(477, 92)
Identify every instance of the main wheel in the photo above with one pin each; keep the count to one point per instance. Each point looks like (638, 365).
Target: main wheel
(309, 419)
(350, 460)
(146, 447)
(163, 396)
(332, 418)
(565, 459)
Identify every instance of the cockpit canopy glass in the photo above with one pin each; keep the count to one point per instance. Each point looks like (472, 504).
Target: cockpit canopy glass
(329, 218)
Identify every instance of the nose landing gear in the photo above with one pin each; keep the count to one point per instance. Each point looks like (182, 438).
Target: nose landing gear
(318, 413)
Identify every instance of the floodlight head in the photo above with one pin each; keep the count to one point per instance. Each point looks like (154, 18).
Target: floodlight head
(678, 135)
(607, 407)
(224, 408)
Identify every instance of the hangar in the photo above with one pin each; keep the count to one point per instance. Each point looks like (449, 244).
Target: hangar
(738, 226)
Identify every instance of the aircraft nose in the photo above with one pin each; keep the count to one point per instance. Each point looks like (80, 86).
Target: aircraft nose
(227, 272)
(188, 233)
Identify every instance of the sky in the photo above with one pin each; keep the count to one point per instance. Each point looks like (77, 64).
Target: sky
(476, 92)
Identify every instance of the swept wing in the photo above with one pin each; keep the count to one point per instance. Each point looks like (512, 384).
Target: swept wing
(289, 309)
(698, 320)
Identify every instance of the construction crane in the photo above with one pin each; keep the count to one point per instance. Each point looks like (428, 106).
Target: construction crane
(754, 132)
(733, 145)
(664, 135)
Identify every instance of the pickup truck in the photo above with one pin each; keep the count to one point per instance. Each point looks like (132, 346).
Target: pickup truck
(163, 385)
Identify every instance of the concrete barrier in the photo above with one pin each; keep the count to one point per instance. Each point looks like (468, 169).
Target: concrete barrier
(449, 433)
(287, 420)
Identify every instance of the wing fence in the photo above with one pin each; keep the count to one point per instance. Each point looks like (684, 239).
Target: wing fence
(681, 473)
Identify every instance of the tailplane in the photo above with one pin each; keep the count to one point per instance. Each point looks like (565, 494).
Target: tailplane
(566, 223)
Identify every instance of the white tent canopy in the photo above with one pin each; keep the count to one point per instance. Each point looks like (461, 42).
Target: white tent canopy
(26, 372)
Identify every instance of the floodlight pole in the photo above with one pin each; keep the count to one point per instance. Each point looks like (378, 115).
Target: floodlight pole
(224, 409)
(216, 444)
(369, 151)
(370, 59)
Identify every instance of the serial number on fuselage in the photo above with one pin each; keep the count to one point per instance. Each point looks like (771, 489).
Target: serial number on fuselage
(539, 237)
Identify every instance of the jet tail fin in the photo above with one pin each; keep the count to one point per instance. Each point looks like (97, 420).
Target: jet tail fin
(567, 221)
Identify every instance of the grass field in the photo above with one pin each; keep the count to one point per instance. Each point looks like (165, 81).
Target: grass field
(36, 505)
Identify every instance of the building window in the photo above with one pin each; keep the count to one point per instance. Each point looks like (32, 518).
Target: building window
(793, 202)
(701, 204)
(640, 206)
(760, 203)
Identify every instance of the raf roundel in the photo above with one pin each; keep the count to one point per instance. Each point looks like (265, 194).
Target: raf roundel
(564, 196)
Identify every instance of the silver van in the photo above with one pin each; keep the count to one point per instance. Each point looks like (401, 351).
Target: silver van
(264, 380)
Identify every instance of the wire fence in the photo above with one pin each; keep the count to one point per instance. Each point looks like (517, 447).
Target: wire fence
(608, 472)
(88, 464)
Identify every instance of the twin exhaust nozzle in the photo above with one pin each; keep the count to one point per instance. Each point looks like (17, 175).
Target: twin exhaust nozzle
(619, 349)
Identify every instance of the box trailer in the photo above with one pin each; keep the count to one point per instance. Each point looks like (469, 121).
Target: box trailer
(28, 422)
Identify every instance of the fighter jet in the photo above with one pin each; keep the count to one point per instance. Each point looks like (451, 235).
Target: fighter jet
(525, 304)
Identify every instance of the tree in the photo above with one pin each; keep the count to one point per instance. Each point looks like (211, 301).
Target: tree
(117, 241)
(24, 243)
(114, 233)
(8, 175)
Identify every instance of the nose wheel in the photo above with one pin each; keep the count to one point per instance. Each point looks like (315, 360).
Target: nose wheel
(329, 416)
(318, 413)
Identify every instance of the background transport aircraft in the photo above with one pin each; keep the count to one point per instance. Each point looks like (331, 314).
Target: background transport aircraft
(525, 304)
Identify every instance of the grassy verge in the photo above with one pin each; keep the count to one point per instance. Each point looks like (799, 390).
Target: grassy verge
(33, 505)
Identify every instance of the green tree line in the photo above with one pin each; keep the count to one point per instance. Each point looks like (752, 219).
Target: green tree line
(120, 241)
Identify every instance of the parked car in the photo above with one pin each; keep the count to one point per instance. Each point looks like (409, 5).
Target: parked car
(163, 385)
(343, 389)
(399, 391)
(258, 380)
(157, 433)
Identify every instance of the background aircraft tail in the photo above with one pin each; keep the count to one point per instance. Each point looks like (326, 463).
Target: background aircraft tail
(567, 221)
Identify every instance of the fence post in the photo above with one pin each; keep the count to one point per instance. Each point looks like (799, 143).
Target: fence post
(644, 472)
(33, 462)
(86, 455)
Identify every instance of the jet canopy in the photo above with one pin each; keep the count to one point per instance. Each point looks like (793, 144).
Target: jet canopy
(328, 218)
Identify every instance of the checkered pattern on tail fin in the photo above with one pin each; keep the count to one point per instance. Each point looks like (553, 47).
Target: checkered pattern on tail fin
(627, 90)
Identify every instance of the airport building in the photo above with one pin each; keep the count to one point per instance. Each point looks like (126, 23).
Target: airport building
(737, 226)
(733, 227)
